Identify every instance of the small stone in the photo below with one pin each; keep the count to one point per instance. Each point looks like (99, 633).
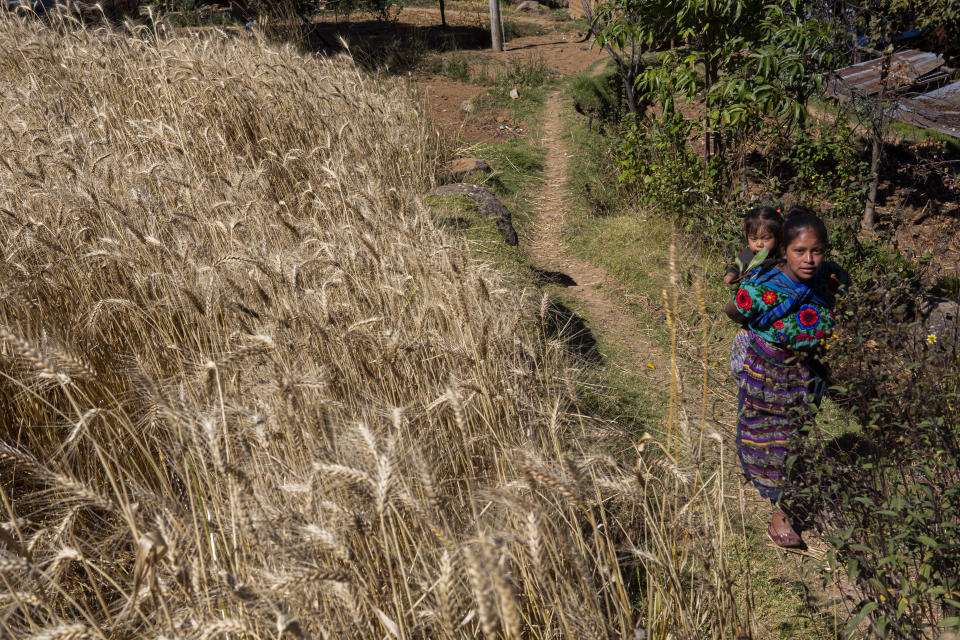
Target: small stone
(460, 169)
(467, 106)
(529, 6)
(514, 94)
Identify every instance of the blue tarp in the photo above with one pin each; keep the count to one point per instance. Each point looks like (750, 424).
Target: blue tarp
(906, 35)
(37, 6)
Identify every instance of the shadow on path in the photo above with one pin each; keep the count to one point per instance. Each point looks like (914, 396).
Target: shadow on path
(562, 323)
(545, 276)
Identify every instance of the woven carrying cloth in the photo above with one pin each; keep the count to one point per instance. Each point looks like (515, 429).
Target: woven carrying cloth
(738, 350)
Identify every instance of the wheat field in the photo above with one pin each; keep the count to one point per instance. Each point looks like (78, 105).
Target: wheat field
(249, 390)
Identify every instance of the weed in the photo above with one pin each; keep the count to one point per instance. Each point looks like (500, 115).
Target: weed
(513, 29)
(947, 287)
(456, 67)
(532, 73)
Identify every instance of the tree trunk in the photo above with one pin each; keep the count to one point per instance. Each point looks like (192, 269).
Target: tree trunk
(630, 94)
(744, 184)
(443, 15)
(876, 151)
(496, 25)
(707, 133)
(869, 212)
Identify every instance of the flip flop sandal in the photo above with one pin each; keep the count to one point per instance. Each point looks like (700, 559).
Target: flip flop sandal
(789, 541)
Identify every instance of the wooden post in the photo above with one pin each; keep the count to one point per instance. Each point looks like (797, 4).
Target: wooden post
(496, 26)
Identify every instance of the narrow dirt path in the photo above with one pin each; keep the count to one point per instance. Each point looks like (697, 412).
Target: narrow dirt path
(605, 311)
(595, 290)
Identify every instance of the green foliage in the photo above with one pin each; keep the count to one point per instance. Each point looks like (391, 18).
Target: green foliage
(825, 165)
(887, 498)
(599, 95)
(456, 67)
(532, 73)
(657, 164)
(881, 20)
(529, 73)
(593, 169)
(779, 74)
(623, 28)
(747, 63)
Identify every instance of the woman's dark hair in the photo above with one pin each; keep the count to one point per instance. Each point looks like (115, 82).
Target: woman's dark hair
(799, 218)
(763, 218)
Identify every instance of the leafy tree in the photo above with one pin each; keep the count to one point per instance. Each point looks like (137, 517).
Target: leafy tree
(748, 62)
(880, 21)
(623, 28)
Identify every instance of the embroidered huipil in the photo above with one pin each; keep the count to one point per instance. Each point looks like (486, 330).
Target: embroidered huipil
(789, 313)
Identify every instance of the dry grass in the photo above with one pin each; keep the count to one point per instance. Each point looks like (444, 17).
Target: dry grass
(248, 390)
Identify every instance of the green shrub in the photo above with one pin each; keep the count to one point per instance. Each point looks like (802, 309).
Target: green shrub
(823, 164)
(600, 96)
(456, 67)
(529, 73)
(661, 169)
(887, 496)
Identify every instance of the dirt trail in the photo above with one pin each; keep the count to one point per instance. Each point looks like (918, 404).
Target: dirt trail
(595, 290)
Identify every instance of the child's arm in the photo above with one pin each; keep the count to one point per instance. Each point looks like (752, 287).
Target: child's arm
(733, 272)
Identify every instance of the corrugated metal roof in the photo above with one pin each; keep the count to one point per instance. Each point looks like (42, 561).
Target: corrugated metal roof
(907, 68)
(939, 109)
(910, 70)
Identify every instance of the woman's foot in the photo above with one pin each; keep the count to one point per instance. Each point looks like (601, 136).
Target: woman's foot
(782, 534)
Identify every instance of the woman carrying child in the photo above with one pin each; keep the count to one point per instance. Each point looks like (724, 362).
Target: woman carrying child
(787, 310)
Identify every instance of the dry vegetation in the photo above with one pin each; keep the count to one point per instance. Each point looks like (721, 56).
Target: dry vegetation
(248, 390)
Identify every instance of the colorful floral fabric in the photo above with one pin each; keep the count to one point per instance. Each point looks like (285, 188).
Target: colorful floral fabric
(805, 316)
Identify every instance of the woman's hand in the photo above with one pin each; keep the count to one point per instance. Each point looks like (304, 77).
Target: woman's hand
(732, 313)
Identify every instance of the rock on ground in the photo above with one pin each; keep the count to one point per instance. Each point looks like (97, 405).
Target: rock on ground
(938, 317)
(460, 169)
(529, 6)
(487, 206)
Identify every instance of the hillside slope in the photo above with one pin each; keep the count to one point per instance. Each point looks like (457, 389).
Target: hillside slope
(249, 389)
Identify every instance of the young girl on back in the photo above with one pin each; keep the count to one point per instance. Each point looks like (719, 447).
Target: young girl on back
(762, 227)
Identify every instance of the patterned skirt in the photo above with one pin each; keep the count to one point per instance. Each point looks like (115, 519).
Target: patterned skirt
(778, 391)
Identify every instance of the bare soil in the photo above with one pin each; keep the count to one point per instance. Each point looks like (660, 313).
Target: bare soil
(593, 288)
(562, 54)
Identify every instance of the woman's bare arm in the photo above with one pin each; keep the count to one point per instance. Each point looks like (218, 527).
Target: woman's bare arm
(732, 313)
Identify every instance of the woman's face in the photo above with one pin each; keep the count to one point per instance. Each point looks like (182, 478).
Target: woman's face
(804, 255)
